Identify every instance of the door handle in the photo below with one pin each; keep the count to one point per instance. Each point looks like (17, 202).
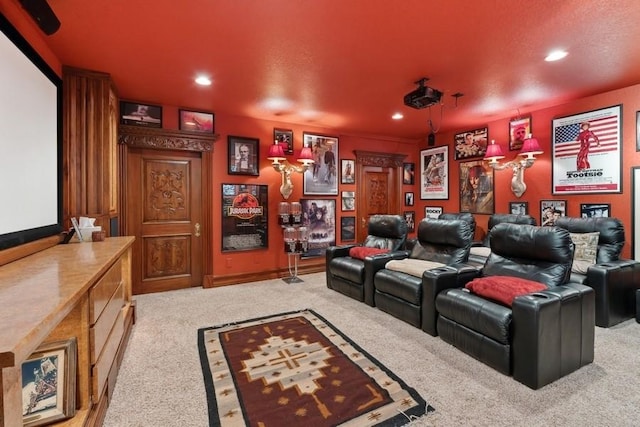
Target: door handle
(197, 227)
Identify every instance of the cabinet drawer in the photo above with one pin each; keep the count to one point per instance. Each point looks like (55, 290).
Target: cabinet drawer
(99, 332)
(101, 292)
(102, 367)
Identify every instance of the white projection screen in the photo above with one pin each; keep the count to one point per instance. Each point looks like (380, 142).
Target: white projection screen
(30, 142)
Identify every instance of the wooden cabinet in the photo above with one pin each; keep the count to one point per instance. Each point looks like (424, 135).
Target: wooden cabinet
(80, 290)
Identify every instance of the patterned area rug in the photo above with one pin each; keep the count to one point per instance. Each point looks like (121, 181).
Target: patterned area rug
(297, 369)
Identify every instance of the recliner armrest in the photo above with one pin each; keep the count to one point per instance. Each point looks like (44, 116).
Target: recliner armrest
(373, 264)
(337, 251)
(435, 281)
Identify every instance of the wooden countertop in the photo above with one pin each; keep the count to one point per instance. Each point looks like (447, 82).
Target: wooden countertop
(38, 291)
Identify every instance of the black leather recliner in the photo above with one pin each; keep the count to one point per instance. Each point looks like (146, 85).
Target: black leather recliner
(544, 335)
(349, 275)
(479, 253)
(613, 279)
(440, 244)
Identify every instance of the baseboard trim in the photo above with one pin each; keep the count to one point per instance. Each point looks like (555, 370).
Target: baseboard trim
(212, 281)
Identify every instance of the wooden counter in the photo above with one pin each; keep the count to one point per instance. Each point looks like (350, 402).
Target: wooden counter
(54, 295)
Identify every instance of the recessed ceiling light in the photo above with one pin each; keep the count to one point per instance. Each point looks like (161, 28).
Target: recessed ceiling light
(556, 55)
(397, 116)
(203, 80)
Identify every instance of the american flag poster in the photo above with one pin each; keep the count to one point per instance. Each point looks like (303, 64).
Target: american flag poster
(587, 152)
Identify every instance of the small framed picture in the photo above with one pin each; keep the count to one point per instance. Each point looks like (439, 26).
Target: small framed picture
(519, 208)
(284, 137)
(550, 210)
(432, 212)
(133, 113)
(519, 128)
(471, 144)
(408, 173)
(408, 198)
(595, 210)
(348, 228)
(348, 200)
(243, 155)
(348, 167)
(196, 121)
(49, 383)
(410, 218)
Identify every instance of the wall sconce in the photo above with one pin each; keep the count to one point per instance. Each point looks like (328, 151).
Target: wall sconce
(530, 148)
(280, 164)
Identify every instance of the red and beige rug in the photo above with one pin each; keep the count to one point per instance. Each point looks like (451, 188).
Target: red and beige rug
(297, 369)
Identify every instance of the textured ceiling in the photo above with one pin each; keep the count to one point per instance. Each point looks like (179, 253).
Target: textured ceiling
(346, 64)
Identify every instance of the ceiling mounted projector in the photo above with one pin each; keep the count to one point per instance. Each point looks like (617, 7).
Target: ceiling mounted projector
(422, 97)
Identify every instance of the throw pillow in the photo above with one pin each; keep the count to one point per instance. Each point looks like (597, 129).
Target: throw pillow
(586, 251)
(503, 288)
(412, 267)
(361, 252)
(482, 251)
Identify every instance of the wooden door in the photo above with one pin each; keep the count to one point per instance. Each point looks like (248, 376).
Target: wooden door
(164, 213)
(379, 187)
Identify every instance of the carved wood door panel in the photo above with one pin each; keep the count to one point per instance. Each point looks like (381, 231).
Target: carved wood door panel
(379, 187)
(164, 213)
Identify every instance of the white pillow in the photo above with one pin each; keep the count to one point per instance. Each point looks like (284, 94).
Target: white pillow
(586, 251)
(413, 267)
(482, 251)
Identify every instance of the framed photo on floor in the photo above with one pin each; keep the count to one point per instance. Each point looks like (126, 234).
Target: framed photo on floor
(586, 152)
(550, 210)
(49, 383)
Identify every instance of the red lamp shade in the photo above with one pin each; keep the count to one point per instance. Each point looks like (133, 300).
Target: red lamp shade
(276, 152)
(494, 152)
(530, 147)
(305, 155)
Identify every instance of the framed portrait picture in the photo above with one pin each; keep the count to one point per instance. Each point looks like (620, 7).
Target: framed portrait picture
(49, 383)
(519, 128)
(134, 113)
(476, 187)
(319, 216)
(243, 155)
(519, 208)
(432, 212)
(408, 198)
(550, 210)
(196, 121)
(595, 210)
(410, 219)
(471, 144)
(348, 201)
(348, 228)
(244, 217)
(284, 137)
(321, 178)
(348, 168)
(587, 152)
(408, 173)
(434, 173)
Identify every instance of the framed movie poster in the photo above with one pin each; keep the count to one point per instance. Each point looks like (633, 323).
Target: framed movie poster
(408, 198)
(519, 208)
(321, 178)
(432, 212)
(348, 200)
(348, 228)
(284, 137)
(518, 130)
(243, 155)
(471, 144)
(434, 170)
(587, 152)
(550, 210)
(595, 210)
(348, 168)
(196, 121)
(49, 383)
(476, 187)
(244, 217)
(408, 173)
(136, 114)
(410, 219)
(319, 216)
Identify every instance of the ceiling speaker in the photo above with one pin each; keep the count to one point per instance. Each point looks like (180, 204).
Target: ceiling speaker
(42, 13)
(431, 139)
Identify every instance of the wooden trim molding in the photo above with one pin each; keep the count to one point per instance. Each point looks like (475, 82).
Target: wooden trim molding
(383, 160)
(143, 137)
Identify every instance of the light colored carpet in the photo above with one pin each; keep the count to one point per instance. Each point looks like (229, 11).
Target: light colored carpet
(160, 382)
